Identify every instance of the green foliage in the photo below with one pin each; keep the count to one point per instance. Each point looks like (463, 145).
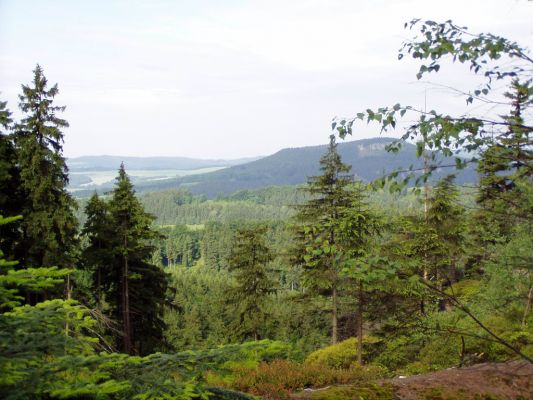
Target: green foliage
(178, 206)
(197, 315)
(10, 197)
(492, 58)
(249, 261)
(339, 355)
(48, 351)
(120, 247)
(31, 280)
(49, 227)
(318, 248)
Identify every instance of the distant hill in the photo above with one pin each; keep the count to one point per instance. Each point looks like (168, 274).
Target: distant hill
(293, 166)
(106, 163)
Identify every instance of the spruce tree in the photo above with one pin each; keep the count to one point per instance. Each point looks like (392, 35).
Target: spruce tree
(357, 226)
(139, 287)
(506, 167)
(49, 227)
(447, 218)
(249, 261)
(317, 229)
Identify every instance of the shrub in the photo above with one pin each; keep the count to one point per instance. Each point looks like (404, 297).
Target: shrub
(276, 380)
(340, 355)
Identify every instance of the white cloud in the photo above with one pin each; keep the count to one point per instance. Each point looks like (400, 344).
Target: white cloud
(226, 79)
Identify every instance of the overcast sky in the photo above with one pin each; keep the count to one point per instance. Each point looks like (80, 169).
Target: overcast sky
(227, 78)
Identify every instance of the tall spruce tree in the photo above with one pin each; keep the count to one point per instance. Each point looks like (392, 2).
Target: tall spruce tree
(139, 288)
(249, 261)
(356, 227)
(317, 246)
(49, 227)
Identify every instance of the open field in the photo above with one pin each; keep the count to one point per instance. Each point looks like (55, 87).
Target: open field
(98, 178)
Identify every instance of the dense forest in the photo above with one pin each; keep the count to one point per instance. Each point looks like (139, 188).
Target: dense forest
(339, 282)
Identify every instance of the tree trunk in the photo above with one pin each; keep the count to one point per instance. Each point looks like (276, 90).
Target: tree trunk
(425, 274)
(528, 306)
(99, 288)
(126, 306)
(453, 270)
(452, 279)
(463, 352)
(360, 300)
(334, 316)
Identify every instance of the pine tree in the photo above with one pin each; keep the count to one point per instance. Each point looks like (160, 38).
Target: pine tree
(49, 227)
(317, 229)
(249, 261)
(139, 287)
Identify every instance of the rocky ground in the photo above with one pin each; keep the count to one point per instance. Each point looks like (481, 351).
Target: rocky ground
(489, 381)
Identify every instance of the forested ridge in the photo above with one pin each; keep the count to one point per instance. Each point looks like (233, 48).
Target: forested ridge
(338, 283)
(368, 158)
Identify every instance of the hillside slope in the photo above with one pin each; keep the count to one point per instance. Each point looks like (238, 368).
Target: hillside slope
(293, 166)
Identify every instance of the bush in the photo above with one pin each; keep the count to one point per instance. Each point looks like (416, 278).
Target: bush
(340, 355)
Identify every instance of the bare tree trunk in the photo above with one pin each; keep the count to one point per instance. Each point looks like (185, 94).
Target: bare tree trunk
(452, 278)
(425, 274)
(126, 305)
(463, 352)
(528, 306)
(99, 289)
(334, 316)
(360, 300)
(453, 270)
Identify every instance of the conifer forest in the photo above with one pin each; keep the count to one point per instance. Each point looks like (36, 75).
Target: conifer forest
(409, 286)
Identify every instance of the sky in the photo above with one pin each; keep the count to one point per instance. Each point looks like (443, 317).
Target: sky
(228, 78)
